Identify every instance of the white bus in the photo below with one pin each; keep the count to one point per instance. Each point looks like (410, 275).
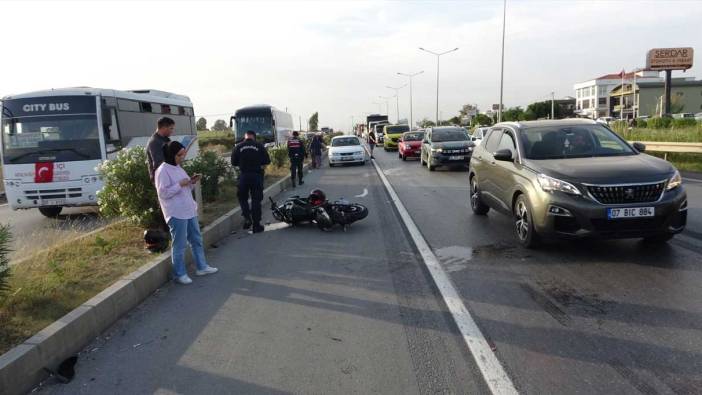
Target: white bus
(52, 141)
(272, 126)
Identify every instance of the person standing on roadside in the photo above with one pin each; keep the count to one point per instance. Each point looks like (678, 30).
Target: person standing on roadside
(372, 141)
(316, 147)
(297, 155)
(250, 156)
(174, 188)
(154, 149)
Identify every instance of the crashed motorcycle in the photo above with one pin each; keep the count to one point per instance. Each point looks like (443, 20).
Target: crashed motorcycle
(317, 209)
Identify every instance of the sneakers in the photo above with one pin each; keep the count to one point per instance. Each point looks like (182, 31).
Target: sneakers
(206, 271)
(184, 279)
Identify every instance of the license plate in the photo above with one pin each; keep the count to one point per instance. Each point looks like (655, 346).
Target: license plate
(54, 202)
(633, 212)
(456, 157)
(346, 158)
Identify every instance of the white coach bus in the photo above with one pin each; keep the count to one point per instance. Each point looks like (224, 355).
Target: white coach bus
(272, 126)
(52, 141)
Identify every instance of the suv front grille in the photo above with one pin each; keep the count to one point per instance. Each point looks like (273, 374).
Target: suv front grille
(624, 194)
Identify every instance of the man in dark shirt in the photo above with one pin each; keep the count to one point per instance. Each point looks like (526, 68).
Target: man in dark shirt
(154, 150)
(297, 154)
(250, 156)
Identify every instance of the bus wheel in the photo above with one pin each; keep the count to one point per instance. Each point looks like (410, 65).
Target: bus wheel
(50, 212)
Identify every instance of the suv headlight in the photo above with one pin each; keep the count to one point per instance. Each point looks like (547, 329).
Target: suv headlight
(550, 184)
(437, 150)
(674, 181)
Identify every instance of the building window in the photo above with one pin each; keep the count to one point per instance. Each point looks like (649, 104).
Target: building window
(602, 101)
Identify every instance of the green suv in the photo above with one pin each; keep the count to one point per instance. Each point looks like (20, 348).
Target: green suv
(575, 178)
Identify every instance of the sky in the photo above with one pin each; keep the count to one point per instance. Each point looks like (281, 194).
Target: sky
(336, 57)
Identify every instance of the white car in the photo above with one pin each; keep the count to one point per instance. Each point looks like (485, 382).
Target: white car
(605, 120)
(478, 135)
(346, 149)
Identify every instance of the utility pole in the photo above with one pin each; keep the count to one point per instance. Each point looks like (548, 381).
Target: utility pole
(502, 63)
(300, 117)
(410, 75)
(552, 106)
(397, 100)
(438, 55)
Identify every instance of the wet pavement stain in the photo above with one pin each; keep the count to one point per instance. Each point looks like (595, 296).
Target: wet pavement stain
(455, 258)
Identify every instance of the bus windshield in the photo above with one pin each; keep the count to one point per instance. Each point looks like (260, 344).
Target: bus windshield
(260, 122)
(63, 137)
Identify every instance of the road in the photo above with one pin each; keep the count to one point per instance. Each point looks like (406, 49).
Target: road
(31, 229)
(572, 317)
(295, 310)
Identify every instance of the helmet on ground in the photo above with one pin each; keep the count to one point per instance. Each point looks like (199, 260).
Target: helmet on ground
(317, 197)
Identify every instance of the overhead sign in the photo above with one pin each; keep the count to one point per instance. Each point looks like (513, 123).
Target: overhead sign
(669, 58)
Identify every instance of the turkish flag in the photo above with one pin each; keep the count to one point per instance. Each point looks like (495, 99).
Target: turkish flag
(43, 172)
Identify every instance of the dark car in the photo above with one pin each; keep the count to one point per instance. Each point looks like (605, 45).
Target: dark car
(575, 178)
(446, 146)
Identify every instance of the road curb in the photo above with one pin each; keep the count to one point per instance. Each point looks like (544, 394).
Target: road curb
(23, 367)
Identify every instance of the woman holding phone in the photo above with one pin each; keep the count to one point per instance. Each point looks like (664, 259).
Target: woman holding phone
(174, 188)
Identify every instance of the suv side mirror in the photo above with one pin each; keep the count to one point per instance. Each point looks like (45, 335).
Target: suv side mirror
(504, 154)
(640, 146)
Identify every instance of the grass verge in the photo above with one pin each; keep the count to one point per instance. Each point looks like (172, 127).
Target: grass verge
(682, 135)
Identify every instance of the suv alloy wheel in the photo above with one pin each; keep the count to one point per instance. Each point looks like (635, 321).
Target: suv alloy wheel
(477, 204)
(523, 223)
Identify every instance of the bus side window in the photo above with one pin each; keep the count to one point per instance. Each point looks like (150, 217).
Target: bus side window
(111, 127)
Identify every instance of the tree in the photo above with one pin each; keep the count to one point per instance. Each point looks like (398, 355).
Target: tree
(426, 123)
(482, 120)
(314, 122)
(201, 124)
(455, 120)
(513, 114)
(220, 126)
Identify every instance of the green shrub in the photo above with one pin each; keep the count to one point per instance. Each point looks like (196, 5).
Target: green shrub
(684, 123)
(327, 137)
(619, 125)
(211, 138)
(279, 156)
(660, 122)
(641, 123)
(5, 239)
(127, 190)
(212, 168)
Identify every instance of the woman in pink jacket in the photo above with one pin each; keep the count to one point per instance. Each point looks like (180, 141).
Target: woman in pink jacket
(174, 188)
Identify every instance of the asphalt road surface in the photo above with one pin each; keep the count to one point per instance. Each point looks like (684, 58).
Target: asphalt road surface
(293, 310)
(296, 310)
(31, 229)
(573, 317)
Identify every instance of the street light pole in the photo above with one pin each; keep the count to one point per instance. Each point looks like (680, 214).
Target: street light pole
(410, 75)
(397, 99)
(502, 64)
(552, 107)
(438, 55)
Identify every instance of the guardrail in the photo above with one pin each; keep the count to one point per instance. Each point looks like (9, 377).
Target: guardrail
(660, 146)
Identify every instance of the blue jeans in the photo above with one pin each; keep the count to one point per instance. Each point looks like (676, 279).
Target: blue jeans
(186, 231)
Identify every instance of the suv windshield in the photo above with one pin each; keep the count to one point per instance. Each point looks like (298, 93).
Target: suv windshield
(577, 141)
(418, 136)
(439, 136)
(56, 129)
(345, 141)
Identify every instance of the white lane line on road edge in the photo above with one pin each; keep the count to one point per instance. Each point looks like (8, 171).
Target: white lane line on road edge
(692, 179)
(491, 369)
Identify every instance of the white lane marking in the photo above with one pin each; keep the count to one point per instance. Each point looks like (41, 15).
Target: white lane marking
(4, 204)
(276, 226)
(493, 372)
(692, 179)
(364, 194)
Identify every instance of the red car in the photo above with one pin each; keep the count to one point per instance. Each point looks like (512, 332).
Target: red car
(410, 145)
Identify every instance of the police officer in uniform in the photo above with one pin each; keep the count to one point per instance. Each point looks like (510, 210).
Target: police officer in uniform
(297, 154)
(250, 156)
